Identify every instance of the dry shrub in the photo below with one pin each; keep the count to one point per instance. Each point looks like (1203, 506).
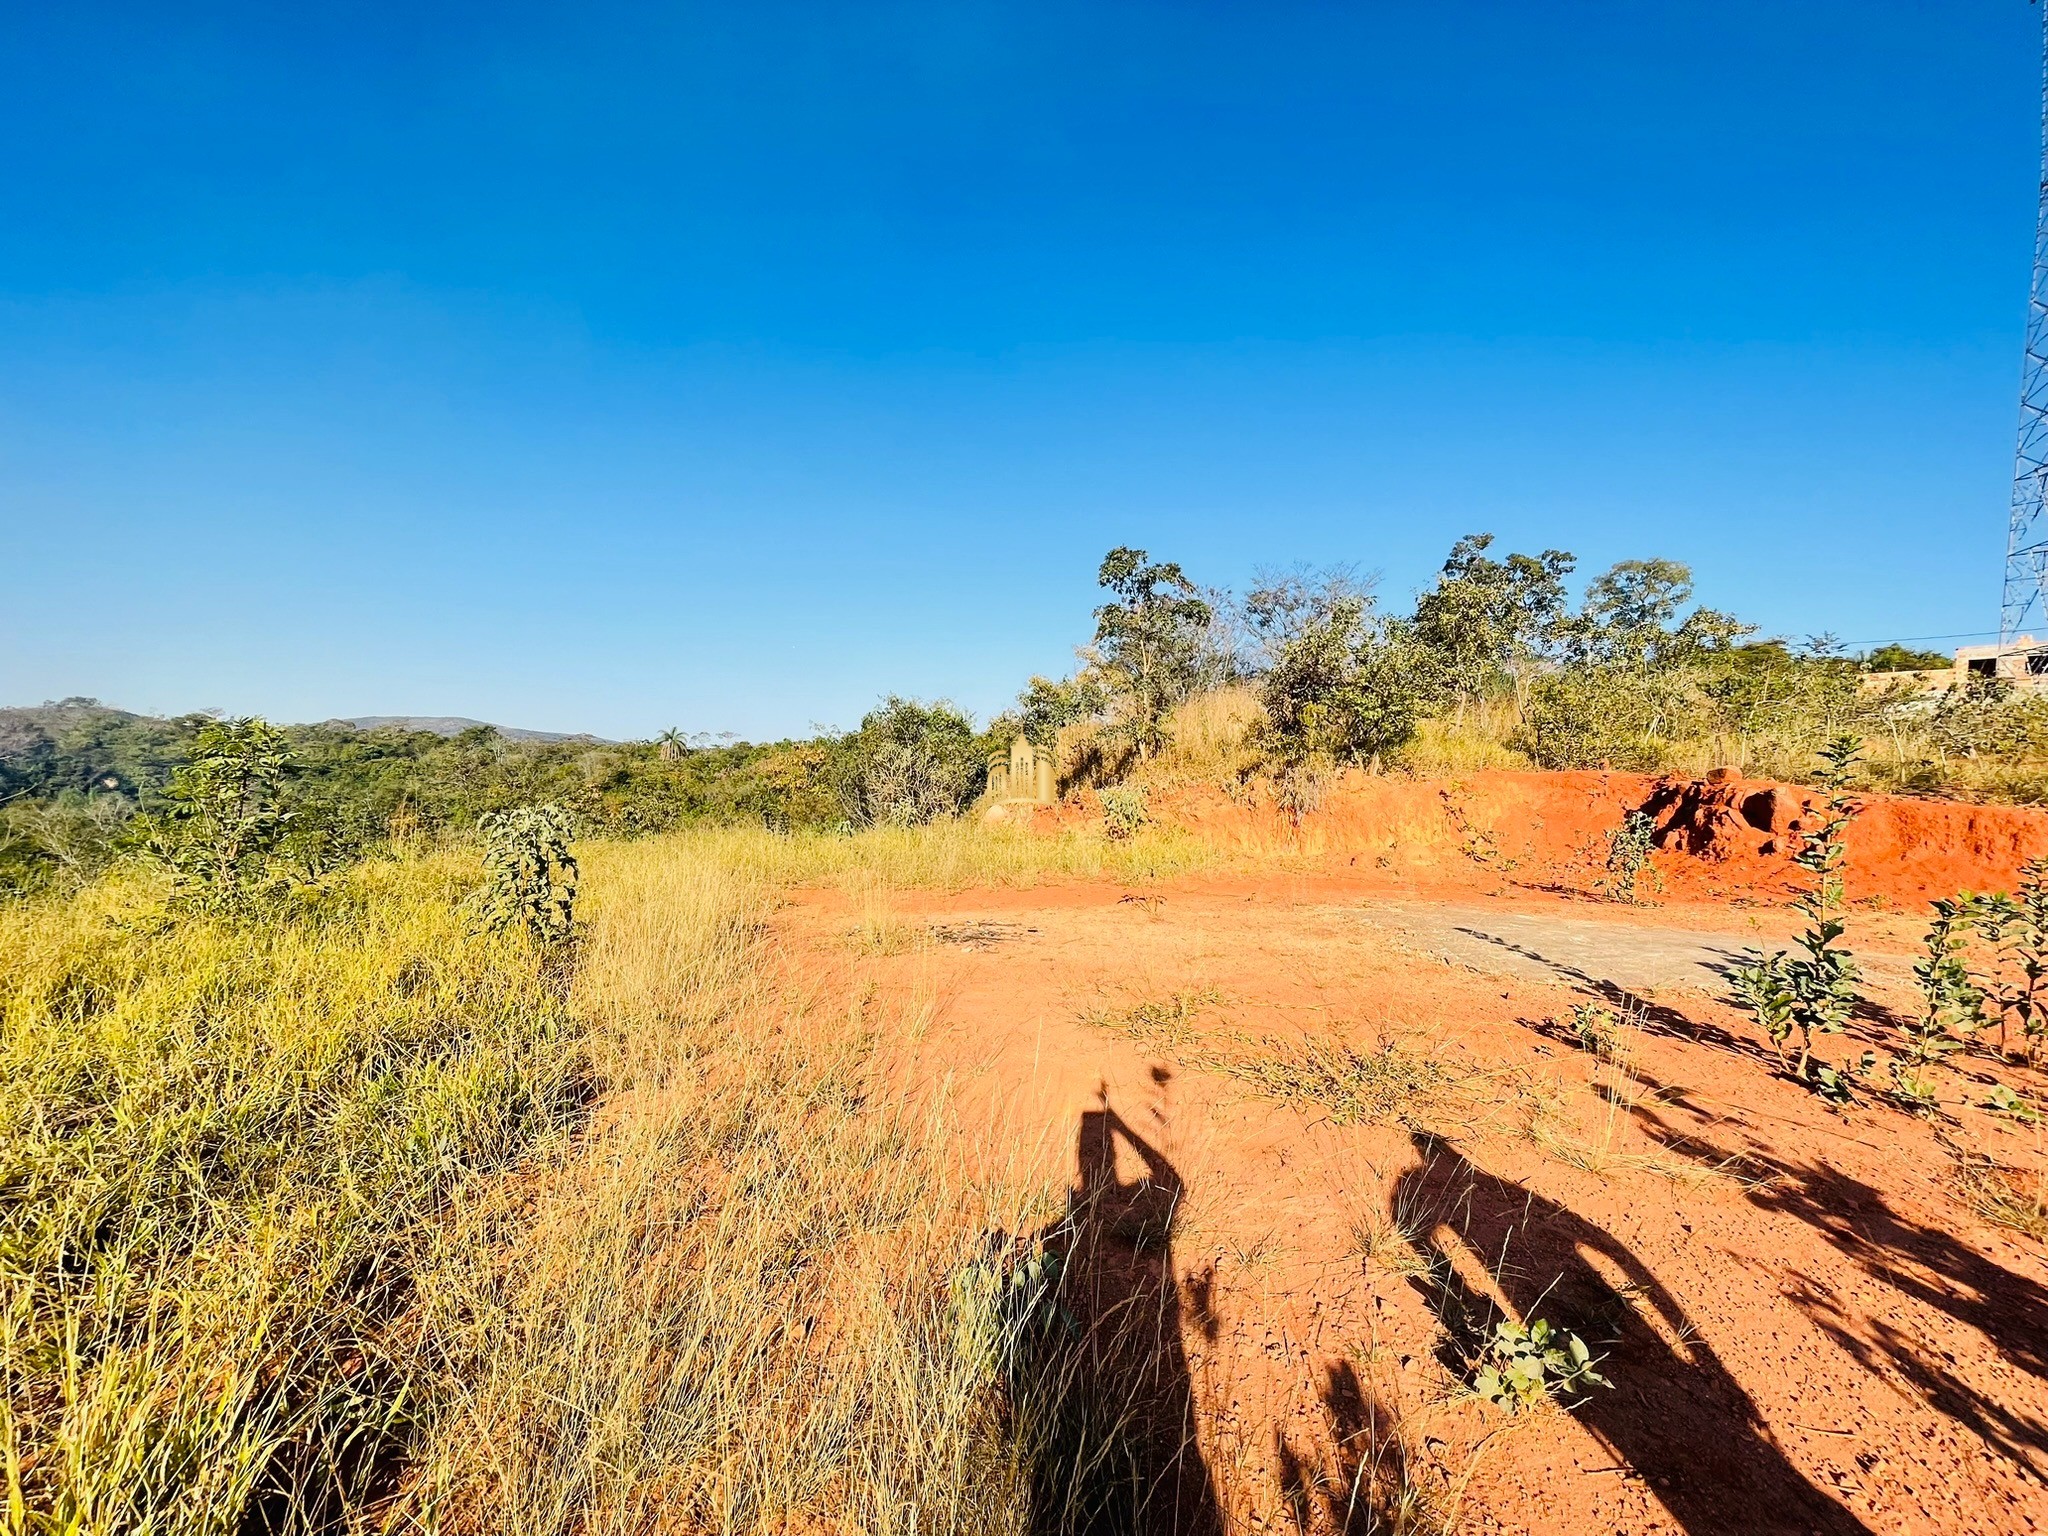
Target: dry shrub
(2006, 1197)
(1211, 733)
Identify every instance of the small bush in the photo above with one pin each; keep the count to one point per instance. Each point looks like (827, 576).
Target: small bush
(1598, 1029)
(1123, 810)
(530, 873)
(1524, 1366)
(226, 816)
(909, 764)
(1628, 854)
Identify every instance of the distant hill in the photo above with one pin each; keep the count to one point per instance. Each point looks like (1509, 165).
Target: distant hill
(455, 725)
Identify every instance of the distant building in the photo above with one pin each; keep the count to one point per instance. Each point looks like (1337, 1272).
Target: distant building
(2024, 660)
(2022, 663)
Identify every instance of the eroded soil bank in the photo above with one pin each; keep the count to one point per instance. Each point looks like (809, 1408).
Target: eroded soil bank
(1722, 838)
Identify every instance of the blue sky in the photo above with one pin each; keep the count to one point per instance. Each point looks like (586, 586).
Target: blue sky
(611, 367)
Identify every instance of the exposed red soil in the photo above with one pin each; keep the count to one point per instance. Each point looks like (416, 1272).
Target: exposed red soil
(1721, 838)
(1807, 1327)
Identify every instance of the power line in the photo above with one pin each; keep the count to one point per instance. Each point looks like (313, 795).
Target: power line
(1966, 634)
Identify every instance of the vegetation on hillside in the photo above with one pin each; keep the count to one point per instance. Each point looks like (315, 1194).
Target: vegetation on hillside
(1493, 665)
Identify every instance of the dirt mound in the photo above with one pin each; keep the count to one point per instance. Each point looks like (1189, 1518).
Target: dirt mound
(1718, 838)
(1899, 849)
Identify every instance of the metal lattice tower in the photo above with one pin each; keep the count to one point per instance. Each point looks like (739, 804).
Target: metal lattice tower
(2026, 538)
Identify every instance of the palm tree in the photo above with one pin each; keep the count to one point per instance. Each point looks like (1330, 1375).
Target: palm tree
(670, 743)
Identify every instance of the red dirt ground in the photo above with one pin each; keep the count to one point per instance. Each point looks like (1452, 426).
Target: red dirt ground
(1808, 1327)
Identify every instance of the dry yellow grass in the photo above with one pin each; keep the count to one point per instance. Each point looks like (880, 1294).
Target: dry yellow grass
(732, 1310)
(222, 1144)
(360, 1217)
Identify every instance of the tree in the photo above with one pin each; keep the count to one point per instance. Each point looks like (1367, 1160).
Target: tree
(1152, 640)
(1899, 658)
(671, 744)
(1046, 707)
(1339, 683)
(227, 816)
(1630, 619)
(1488, 621)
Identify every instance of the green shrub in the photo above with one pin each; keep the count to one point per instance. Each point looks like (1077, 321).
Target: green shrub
(1628, 854)
(226, 817)
(1814, 992)
(530, 873)
(909, 764)
(1593, 717)
(1123, 810)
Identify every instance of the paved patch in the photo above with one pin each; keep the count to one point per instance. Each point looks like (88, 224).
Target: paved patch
(1579, 951)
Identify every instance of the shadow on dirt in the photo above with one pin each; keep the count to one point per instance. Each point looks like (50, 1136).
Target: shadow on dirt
(1654, 1018)
(1367, 1490)
(1929, 1265)
(1675, 1414)
(1123, 1457)
(1873, 1023)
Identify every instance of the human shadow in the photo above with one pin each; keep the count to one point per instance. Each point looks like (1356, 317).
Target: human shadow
(1121, 1457)
(1675, 1414)
(1364, 1483)
(1929, 1265)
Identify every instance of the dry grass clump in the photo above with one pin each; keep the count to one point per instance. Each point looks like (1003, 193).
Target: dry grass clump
(730, 1311)
(222, 1146)
(2005, 1197)
(1388, 1083)
(768, 1295)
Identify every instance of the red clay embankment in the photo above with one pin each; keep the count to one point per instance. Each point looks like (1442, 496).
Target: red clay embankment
(1718, 838)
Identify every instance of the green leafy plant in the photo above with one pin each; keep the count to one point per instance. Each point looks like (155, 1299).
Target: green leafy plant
(1815, 992)
(1123, 810)
(1830, 1082)
(1597, 1028)
(1001, 1305)
(2015, 931)
(1525, 1366)
(1952, 1003)
(227, 817)
(531, 874)
(1913, 1088)
(1764, 986)
(1628, 855)
(2002, 1100)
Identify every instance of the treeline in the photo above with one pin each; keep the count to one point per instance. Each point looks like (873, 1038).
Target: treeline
(1493, 663)
(82, 785)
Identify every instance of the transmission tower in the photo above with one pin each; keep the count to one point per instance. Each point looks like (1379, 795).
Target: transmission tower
(2026, 537)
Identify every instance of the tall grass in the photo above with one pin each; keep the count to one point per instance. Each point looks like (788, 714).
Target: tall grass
(222, 1145)
(731, 1311)
(355, 1216)
(949, 855)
